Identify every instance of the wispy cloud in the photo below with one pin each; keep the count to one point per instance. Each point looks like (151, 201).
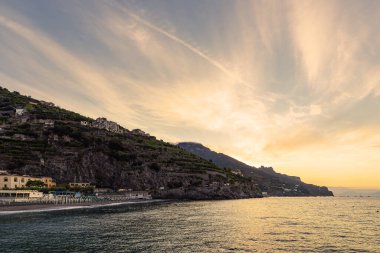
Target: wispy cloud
(182, 42)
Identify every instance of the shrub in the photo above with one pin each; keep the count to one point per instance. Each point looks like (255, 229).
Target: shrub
(115, 144)
(35, 183)
(154, 166)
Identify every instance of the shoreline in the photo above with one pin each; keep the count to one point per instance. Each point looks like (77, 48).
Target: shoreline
(29, 208)
(15, 209)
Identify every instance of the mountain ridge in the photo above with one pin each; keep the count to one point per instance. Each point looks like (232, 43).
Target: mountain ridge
(270, 181)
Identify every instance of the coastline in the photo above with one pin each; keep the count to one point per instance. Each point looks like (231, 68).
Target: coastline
(15, 209)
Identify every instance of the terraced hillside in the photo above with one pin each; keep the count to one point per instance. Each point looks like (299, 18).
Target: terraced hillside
(39, 138)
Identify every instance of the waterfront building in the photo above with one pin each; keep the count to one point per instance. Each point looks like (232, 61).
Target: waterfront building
(48, 181)
(103, 190)
(125, 195)
(80, 185)
(19, 195)
(138, 195)
(12, 181)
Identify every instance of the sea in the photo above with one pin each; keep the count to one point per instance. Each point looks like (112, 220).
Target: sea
(299, 224)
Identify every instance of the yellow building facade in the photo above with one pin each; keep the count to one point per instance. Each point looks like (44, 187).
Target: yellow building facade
(8, 181)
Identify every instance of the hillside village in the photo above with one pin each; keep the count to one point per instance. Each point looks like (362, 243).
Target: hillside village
(16, 116)
(16, 188)
(40, 139)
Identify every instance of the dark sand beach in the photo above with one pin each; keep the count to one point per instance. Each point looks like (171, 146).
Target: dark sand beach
(7, 209)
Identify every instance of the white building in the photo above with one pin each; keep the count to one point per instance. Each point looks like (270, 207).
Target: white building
(237, 172)
(103, 190)
(49, 124)
(21, 137)
(84, 123)
(138, 195)
(139, 132)
(103, 123)
(20, 111)
(20, 195)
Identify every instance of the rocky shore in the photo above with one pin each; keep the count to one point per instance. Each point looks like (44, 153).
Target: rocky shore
(240, 191)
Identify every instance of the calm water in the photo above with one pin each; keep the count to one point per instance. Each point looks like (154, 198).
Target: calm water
(254, 225)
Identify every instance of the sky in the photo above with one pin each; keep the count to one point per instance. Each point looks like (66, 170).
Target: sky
(289, 84)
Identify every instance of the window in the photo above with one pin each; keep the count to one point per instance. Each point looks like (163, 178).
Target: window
(22, 180)
(5, 186)
(15, 179)
(5, 179)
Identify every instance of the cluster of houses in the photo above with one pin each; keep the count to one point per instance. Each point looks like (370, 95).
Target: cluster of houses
(100, 123)
(14, 188)
(20, 114)
(20, 111)
(103, 123)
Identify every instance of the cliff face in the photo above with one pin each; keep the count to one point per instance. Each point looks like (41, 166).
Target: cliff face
(41, 139)
(268, 180)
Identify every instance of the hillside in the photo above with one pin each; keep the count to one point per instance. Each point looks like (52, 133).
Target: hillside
(268, 180)
(39, 138)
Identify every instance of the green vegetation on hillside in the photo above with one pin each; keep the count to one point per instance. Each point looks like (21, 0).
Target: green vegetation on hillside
(47, 140)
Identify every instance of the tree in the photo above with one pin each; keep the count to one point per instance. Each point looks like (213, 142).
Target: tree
(155, 167)
(115, 144)
(35, 183)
